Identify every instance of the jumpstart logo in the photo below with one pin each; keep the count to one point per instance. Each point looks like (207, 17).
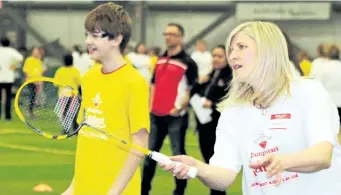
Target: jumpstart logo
(259, 155)
(263, 153)
(260, 170)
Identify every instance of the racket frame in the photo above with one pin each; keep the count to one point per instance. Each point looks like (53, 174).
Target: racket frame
(21, 116)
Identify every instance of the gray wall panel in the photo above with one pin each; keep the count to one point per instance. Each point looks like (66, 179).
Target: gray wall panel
(68, 26)
(306, 34)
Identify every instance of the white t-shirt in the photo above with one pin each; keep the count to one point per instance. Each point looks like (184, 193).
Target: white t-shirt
(75, 56)
(330, 77)
(82, 62)
(203, 61)
(142, 63)
(294, 123)
(8, 57)
(317, 66)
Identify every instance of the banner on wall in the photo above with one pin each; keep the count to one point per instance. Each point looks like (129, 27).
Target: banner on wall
(284, 11)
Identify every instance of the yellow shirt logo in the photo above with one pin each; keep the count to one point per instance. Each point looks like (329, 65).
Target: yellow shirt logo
(97, 100)
(92, 119)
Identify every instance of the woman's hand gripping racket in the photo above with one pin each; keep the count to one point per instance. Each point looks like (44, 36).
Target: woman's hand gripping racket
(56, 117)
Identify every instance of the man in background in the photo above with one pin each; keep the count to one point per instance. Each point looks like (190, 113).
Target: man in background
(174, 75)
(9, 59)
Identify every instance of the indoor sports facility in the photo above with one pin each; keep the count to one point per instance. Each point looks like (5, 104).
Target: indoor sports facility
(45, 36)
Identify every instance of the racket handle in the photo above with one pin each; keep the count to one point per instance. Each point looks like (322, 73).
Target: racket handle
(161, 158)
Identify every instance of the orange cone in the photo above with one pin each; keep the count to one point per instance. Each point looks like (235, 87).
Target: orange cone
(42, 188)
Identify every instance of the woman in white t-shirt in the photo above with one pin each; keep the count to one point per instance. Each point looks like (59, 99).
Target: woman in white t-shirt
(279, 127)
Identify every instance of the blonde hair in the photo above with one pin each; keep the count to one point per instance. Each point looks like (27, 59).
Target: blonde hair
(273, 72)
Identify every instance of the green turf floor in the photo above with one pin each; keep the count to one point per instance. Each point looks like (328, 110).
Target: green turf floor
(27, 159)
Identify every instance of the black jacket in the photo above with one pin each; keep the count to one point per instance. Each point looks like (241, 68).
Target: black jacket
(216, 87)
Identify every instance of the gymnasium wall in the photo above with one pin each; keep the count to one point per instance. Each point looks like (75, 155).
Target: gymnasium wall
(68, 26)
(307, 35)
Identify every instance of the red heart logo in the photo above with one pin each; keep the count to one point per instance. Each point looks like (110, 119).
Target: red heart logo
(263, 144)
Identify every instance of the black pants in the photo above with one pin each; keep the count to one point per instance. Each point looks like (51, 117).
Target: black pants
(32, 94)
(80, 91)
(207, 138)
(176, 128)
(339, 110)
(8, 90)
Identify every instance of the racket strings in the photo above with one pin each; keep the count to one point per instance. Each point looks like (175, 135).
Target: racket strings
(56, 114)
(71, 113)
(61, 104)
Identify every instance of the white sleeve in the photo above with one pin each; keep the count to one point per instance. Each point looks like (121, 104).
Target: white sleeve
(17, 56)
(321, 119)
(226, 150)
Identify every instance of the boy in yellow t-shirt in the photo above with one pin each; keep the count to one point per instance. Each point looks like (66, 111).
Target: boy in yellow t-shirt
(33, 67)
(115, 98)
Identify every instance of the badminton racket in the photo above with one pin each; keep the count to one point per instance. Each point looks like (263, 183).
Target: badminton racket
(56, 117)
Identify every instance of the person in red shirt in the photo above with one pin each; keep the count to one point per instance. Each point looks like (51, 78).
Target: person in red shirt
(174, 75)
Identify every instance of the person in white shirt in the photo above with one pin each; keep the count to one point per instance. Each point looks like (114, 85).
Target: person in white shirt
(76, 50)
(203, 58)
(279, 127)
(9, 59)
(319, 63)
(141, 61)
(330, 76)
(81, 60)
